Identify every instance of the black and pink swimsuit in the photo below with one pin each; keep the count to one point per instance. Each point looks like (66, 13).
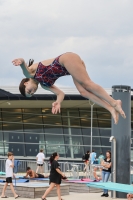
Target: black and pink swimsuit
(47, 75)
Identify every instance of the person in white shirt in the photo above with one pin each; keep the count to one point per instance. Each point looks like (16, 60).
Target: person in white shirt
(9, 175)
(40, 160)
(93, 157)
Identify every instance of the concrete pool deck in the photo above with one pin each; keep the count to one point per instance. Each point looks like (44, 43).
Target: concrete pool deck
(72, 196)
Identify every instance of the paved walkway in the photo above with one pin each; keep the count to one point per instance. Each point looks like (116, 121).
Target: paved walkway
(75, 196)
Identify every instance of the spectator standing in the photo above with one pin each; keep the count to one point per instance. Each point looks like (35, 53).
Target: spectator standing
(86, 160)
(55, 176)
(9, 175)
(106, 171)
(40, 161)
(101, 158)
(93, 156)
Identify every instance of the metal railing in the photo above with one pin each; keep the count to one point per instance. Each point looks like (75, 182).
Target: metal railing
(71, 169)
(2, 165)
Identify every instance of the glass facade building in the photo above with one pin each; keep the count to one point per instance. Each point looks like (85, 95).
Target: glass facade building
(24, 131)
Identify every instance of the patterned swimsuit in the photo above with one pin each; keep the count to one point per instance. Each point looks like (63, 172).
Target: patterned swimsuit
(47, 75)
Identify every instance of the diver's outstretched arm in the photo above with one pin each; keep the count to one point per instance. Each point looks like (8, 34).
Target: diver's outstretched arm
(60, 96)
(23, 65)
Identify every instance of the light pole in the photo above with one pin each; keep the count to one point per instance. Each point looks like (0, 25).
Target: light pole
(91, 104)
(112, 139)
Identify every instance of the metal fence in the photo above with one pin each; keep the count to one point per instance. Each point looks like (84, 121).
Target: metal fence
(71, 169)
(2, 165)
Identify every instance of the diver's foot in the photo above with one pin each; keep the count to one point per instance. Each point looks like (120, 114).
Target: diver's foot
(115, 115)
(118, 108)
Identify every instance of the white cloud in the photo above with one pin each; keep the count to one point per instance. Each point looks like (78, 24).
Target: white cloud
(100, 31)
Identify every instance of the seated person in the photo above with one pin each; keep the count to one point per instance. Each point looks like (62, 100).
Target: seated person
(95, 173)
(129, 196)
(32, 174)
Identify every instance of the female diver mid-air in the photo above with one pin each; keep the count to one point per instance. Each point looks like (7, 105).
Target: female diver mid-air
(48, 71)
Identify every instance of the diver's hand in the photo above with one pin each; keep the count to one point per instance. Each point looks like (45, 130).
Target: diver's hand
(56, 107)
(17, 61)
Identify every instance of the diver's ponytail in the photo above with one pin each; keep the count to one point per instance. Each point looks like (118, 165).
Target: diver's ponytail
(31, 61)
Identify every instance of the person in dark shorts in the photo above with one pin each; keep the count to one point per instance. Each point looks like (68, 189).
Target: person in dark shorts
(106, 171)
(86, 160)
(40, 161)
(32, 174)
(55, 176)
(9, 175)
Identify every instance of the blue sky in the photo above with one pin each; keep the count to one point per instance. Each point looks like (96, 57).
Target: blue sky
(100, 31)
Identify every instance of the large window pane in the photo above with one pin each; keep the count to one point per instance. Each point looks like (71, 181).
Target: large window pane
(74, 121)
(16, 149)
(13, 137)
(65, 121)
(105, 142)
(77, 146)
(52, 120)
(31, 138)
(33, 128)
(87, 131)
(76, 131)
(131, 154)
(96, 141)
(1, 148)
(132, 124)
(75, 142)
(86, 113)
(57, 130)
(71, 121)
(0, 115)
(131, 134)
(31, 118)
(1, 136)
(72, 112)
(132, 116)
(31, 149)
(47, 111)
(105, 132)
(86, 140)
(104, 115)
(13, 110)
(72, 131)
(12, 116)
(32, 110)
(104, 123)
(60, 149)
(68, 150)
(55, 143)
(75, 151)
(12, 127)
(85, 122)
